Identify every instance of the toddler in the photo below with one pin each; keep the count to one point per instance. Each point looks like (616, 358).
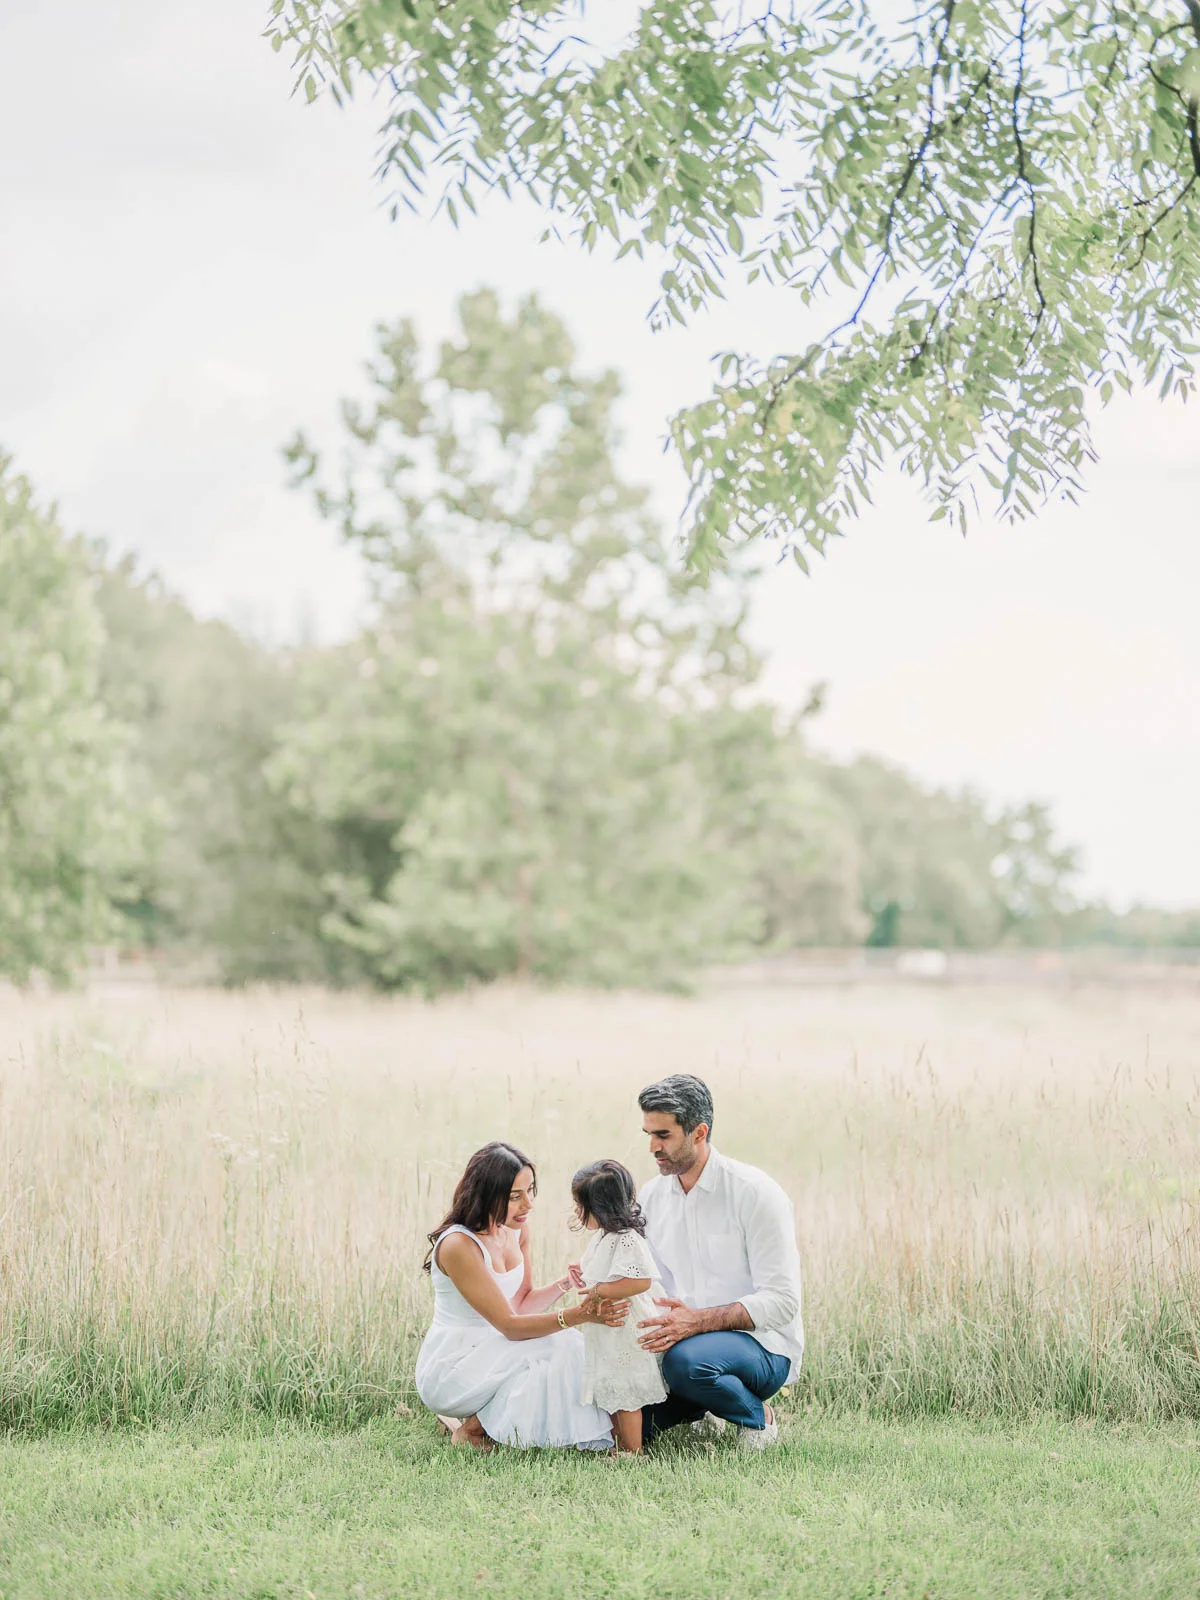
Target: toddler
(619, 1376)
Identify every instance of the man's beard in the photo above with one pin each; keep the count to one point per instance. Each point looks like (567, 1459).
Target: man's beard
(678, 1165)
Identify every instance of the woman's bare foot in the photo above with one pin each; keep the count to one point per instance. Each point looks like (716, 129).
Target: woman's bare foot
(470, 1432)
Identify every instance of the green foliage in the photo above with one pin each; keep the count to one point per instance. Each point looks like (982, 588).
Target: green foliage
(487, 482)
(1139, 928)
(231, 875)
(522, 757)
(543, 755)
(997, 202)
(544, 758)
(790, 837)
(71, 810)
(941, 869)
(508, 809)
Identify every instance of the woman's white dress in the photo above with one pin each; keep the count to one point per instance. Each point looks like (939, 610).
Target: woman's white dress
(618, 1374)
(525, 1392)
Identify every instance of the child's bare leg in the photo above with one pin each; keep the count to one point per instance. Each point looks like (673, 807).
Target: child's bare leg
(627, 1425)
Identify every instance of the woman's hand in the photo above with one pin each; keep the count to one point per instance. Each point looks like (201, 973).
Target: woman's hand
(611, 1313)
(575, 1276)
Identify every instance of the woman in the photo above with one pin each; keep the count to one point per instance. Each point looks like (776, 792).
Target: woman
(496, 1364)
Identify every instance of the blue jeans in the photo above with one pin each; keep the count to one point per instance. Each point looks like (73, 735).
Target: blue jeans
(729, 1374)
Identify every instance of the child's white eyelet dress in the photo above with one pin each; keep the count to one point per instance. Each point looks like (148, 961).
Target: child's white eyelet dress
(618, 1374)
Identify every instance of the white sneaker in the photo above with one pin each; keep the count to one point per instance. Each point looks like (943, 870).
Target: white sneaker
(759, 1438)
(709, 1426)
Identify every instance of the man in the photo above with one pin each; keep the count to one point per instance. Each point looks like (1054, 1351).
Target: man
(724, 1237)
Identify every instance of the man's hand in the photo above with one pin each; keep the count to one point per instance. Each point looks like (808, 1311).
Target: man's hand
(679, 1322)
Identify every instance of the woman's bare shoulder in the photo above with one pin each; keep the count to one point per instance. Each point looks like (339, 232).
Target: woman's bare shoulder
(455, 1249)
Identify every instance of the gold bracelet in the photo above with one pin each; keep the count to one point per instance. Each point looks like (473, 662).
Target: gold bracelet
(562, 1318)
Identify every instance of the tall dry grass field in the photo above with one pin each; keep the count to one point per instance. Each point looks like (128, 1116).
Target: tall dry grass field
(219, 1202)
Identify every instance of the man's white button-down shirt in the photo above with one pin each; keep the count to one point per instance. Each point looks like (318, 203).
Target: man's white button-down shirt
(732, 1236)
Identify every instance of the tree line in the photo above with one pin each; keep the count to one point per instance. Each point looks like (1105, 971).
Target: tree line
(543, 753)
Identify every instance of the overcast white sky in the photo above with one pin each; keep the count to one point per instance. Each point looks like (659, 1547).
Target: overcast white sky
(191, 266)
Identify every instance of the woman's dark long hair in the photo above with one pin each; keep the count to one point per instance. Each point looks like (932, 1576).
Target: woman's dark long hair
(605, 1192)
(481, 1197)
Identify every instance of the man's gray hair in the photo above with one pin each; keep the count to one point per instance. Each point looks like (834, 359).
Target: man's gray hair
(685, 1098)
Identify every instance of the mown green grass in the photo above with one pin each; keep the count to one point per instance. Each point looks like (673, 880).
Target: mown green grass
(844, 1508)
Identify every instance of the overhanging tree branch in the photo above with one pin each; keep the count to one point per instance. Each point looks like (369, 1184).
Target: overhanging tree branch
(1023, 175)
(919, 137)
(914, 161)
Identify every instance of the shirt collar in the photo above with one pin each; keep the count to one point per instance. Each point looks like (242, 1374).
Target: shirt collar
(712, 1171)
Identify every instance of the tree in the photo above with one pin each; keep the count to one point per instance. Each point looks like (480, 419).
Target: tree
(507, 804)
(941, 869)
(71, 811)
(534, 759)
(488, 482)
(231, 876)
(1140, 927)
(788, 826)
(990, 208)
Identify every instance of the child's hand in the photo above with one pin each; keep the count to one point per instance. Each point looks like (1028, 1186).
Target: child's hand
(575, 1273)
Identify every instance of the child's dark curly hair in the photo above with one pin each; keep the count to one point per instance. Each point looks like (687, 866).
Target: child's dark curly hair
(604, 1191)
